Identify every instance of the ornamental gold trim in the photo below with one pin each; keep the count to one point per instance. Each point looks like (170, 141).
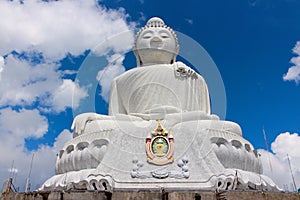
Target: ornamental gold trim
(160, 146)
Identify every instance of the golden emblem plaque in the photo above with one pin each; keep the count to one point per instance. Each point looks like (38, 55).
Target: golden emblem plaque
(160, 146)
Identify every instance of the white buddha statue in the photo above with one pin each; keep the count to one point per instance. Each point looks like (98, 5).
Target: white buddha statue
(159, 83)
(166, 104)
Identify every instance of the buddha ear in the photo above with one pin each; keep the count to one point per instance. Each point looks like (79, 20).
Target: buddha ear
(175, 55)
(137, 57)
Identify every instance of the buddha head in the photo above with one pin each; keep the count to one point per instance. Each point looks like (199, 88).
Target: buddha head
(156, 43)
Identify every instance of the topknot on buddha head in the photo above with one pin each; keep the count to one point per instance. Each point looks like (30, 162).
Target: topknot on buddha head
(155, 21)
(156, 43)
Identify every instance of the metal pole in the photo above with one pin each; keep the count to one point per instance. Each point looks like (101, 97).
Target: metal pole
(267, 147)
(11, 173)
(27, 188)
(294, 183)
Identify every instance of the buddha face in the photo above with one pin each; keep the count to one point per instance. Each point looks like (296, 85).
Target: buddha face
(156, 45)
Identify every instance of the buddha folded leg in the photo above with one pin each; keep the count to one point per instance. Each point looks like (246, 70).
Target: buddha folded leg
(224, 139)
(196, 140)
(80, 121)
(91, 125)
(214, 149)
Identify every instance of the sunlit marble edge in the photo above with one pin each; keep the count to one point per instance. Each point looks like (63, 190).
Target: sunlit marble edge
(93, 181)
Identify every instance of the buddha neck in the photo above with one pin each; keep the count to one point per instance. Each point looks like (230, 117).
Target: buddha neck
(155, 56)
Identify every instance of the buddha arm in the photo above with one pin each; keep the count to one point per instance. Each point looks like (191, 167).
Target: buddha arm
(208, 111)
(115, 102)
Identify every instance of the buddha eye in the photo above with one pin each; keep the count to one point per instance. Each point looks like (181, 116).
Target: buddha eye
(147, 36)
(164, 35)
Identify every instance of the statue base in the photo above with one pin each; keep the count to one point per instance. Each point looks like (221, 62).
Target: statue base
(208, 155)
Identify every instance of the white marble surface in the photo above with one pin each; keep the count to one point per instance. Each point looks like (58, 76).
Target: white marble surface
(108, 152)
(158, 89)
(203, 147)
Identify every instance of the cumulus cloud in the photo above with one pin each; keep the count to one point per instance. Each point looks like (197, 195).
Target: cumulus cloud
(35, 37)
(57, 28)
(15, 126)
(48, 165)
(44, 158)
(24, 83)
(64, 95)
(50, 31)
(293, 73)
(106, 75)
(279, 171)
(23, 123)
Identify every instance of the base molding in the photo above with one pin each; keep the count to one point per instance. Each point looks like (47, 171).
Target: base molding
(151, 194)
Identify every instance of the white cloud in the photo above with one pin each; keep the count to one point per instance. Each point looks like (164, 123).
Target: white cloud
(68, 94)
(43, 163)
(284, 144)
(48, 165)
(279, 171)
(106, 75)
(57, 28)
(23, 83)
(22, 124)
(118, 43)
(293, 73)
(53, 29)
(15, 126)
(48, 31)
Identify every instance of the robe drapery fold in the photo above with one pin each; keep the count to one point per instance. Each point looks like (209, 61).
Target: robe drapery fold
(154, 88)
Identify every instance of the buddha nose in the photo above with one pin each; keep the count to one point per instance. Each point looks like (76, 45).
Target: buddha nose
(156, 42)
(156, 39)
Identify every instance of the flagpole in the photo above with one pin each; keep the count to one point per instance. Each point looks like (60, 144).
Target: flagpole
(267, 147)
(27, 187)
(294, 183)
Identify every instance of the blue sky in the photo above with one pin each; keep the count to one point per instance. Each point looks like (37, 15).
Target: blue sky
(44, 44)
(250, 42)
